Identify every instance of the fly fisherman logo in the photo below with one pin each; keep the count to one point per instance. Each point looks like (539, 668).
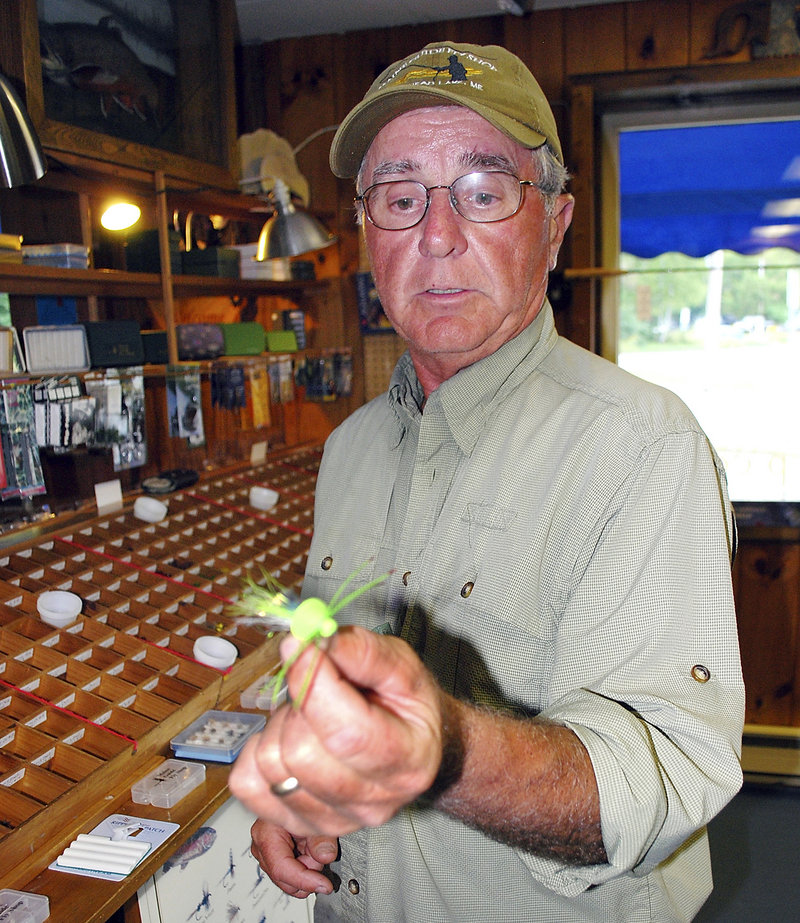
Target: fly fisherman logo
(457, 70)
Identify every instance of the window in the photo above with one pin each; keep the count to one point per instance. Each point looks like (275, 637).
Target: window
(708, 299)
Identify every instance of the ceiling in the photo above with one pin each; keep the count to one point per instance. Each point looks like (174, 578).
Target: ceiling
(266, 20)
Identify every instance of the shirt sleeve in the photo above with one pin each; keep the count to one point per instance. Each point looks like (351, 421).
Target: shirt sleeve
(647, 670)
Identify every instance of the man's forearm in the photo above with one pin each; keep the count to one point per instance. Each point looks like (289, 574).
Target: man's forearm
(527, 783)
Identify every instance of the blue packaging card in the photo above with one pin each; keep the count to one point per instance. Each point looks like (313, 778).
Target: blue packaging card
(55, 309)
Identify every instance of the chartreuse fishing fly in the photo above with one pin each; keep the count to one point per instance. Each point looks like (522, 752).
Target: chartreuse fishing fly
(309, 620)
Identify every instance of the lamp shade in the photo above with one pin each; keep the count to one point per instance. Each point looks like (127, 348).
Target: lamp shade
(290, 232)
(119, 216)
(21, 155)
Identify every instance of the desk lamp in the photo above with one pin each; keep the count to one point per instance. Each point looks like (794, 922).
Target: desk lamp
(21, 156)
(289, 232)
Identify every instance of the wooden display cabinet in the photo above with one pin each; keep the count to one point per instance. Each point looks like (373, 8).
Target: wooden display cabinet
(199, 45)
(87, 710)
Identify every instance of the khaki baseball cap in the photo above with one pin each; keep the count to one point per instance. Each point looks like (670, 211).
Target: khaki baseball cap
(488, 79)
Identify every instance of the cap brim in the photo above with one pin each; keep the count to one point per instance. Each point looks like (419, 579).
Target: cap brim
(358, 130)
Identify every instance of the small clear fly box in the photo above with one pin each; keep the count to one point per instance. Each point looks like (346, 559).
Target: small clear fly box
(260, 695)
(23, 907)
(168, 783)
(217, 735)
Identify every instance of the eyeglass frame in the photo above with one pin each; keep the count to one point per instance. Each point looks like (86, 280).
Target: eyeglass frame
(361, 199)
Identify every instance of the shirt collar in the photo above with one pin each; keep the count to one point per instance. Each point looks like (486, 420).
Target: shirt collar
(468, 398)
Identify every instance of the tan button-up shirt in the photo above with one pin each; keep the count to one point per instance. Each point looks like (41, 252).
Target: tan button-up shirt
(559, 536)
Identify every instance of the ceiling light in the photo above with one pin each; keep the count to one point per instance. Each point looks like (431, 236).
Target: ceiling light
(120, 215)
(511, 6)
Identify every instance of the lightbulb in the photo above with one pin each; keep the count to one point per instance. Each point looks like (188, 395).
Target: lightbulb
(120, 215)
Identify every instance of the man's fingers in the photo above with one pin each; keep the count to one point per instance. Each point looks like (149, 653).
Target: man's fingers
(289, 861)
(363, 681)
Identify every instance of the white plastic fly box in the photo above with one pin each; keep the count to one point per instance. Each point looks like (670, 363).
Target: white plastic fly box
(261, 695)
(23, 907)
(279, 270)
(57, 348)
(168, 783)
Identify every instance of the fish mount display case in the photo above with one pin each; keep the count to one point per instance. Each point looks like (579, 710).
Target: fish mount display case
(88, 709)
(153, 89)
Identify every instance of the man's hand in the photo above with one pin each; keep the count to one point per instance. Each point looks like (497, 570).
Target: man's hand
(295, 866)
(366, 740)
(374, 732)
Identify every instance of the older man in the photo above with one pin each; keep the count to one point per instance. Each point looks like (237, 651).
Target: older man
(548, 708)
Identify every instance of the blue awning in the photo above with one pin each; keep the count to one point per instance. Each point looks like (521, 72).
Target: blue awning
(712, 187)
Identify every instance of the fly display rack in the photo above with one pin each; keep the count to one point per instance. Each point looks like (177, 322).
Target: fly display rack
(85, 709)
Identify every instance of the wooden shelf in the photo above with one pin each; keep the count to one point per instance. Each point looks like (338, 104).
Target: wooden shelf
(65, 205)
(26, 279)
(184, 286)
(74, 173)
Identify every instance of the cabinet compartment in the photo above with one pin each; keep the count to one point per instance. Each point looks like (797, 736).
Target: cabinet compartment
(15, 808)
(25, 743)
(54, 723)
(70, 763)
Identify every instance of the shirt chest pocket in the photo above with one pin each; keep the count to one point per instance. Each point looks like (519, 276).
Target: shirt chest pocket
(489, 598)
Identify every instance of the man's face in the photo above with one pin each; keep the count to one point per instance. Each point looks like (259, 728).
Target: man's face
(453, 289)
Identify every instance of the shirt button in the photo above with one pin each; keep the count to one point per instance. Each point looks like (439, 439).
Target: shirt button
(467, 588)
(700, 673)
(327, 563)
(353, 886)
(406, 576)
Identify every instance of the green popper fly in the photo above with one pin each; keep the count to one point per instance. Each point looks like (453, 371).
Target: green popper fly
(309, 620)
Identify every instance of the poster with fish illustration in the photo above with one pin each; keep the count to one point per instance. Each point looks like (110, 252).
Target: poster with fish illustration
(128, 68)
(213, 878)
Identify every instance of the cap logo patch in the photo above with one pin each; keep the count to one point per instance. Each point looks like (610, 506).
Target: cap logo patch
(459, 69)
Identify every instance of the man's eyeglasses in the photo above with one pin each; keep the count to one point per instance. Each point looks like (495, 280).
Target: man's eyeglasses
(482, 197)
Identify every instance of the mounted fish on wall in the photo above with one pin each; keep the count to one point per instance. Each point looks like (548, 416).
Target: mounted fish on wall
(128, 68)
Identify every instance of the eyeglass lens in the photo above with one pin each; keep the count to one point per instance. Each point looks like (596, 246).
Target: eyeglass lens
(480, 197)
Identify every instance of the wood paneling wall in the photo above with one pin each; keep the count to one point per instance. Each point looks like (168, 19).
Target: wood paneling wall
(296, 86)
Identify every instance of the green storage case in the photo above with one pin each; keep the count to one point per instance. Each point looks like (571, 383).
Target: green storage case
(281, 341)
(213, 261)
(154, 342)
(142, 253)
(246, 338)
